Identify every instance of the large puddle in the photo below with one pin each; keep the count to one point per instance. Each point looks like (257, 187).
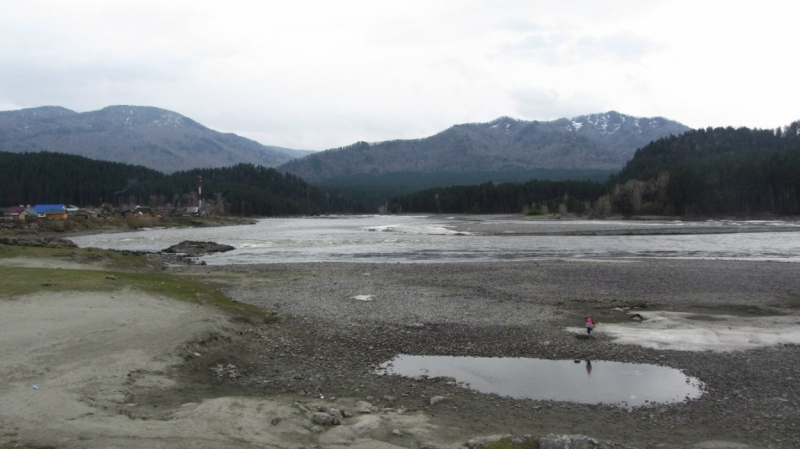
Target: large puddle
(583, 381)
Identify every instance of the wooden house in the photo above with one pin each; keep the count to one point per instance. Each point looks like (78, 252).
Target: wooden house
(16, 213)
(51, 211)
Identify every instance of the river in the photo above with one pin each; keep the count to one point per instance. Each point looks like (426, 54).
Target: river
(391, 239)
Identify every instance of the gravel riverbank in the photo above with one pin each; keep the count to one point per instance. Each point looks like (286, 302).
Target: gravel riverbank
(328, 342)
(203, 377)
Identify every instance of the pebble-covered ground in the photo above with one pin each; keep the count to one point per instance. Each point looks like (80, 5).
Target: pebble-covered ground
(327, 342)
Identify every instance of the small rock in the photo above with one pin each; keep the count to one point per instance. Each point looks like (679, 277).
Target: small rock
(322, 418)
(436, 399)
(300, 407)
(335, 413)
(363, 407)
(277, 420)
(397, 433)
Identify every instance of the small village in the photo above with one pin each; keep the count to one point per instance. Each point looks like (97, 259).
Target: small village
(69, 218)
(67, 212)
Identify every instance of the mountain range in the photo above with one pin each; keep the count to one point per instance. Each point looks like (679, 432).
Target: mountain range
(167, 141)
(140, 135)
(598, 141)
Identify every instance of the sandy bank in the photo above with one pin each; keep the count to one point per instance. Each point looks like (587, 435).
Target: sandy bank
(93, 370)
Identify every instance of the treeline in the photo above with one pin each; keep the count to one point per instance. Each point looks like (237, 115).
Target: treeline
(243, 189)
(714, 171)
(30, 178)
(373, 190)
(537, 196)
(711, 171)
(719, 171)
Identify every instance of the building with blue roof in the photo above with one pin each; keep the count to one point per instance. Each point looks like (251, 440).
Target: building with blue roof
(55, 211)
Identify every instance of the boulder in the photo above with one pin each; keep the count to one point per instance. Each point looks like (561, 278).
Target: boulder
(363, 407)
(194, 249)
(322, 418)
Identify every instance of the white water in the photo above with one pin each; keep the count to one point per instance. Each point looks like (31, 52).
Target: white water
(389, 239)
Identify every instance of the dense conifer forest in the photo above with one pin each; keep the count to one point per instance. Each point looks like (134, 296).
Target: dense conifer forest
(376, 189)
(534, 197)
(243, 189)
(704, 172)
(715, 171)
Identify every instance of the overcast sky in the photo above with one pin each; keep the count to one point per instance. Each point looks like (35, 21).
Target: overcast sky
(322, 74)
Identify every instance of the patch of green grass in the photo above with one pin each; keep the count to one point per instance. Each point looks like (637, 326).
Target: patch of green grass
(18, 281)
(261, 279)
(116, 259)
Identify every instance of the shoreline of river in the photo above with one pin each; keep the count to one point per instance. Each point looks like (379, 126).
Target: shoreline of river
(332, 342)
(337, 322)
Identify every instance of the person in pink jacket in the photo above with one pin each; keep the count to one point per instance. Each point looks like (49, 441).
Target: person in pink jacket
(589, 325)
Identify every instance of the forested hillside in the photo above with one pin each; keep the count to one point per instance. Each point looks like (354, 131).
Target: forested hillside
(379, 189)
(242, 189)
(598, 142)
(535, 197)
(714, 171)
(705, 172)
(62, 178)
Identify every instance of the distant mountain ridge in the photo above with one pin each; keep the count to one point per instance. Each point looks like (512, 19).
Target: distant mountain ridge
(598, 141)
(624, 132)
(140, 135)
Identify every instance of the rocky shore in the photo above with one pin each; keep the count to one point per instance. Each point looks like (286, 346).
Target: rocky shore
(328, 343)
(190, 375)
(37, 241)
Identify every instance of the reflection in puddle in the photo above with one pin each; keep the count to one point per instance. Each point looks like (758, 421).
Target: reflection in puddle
(584, 381)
